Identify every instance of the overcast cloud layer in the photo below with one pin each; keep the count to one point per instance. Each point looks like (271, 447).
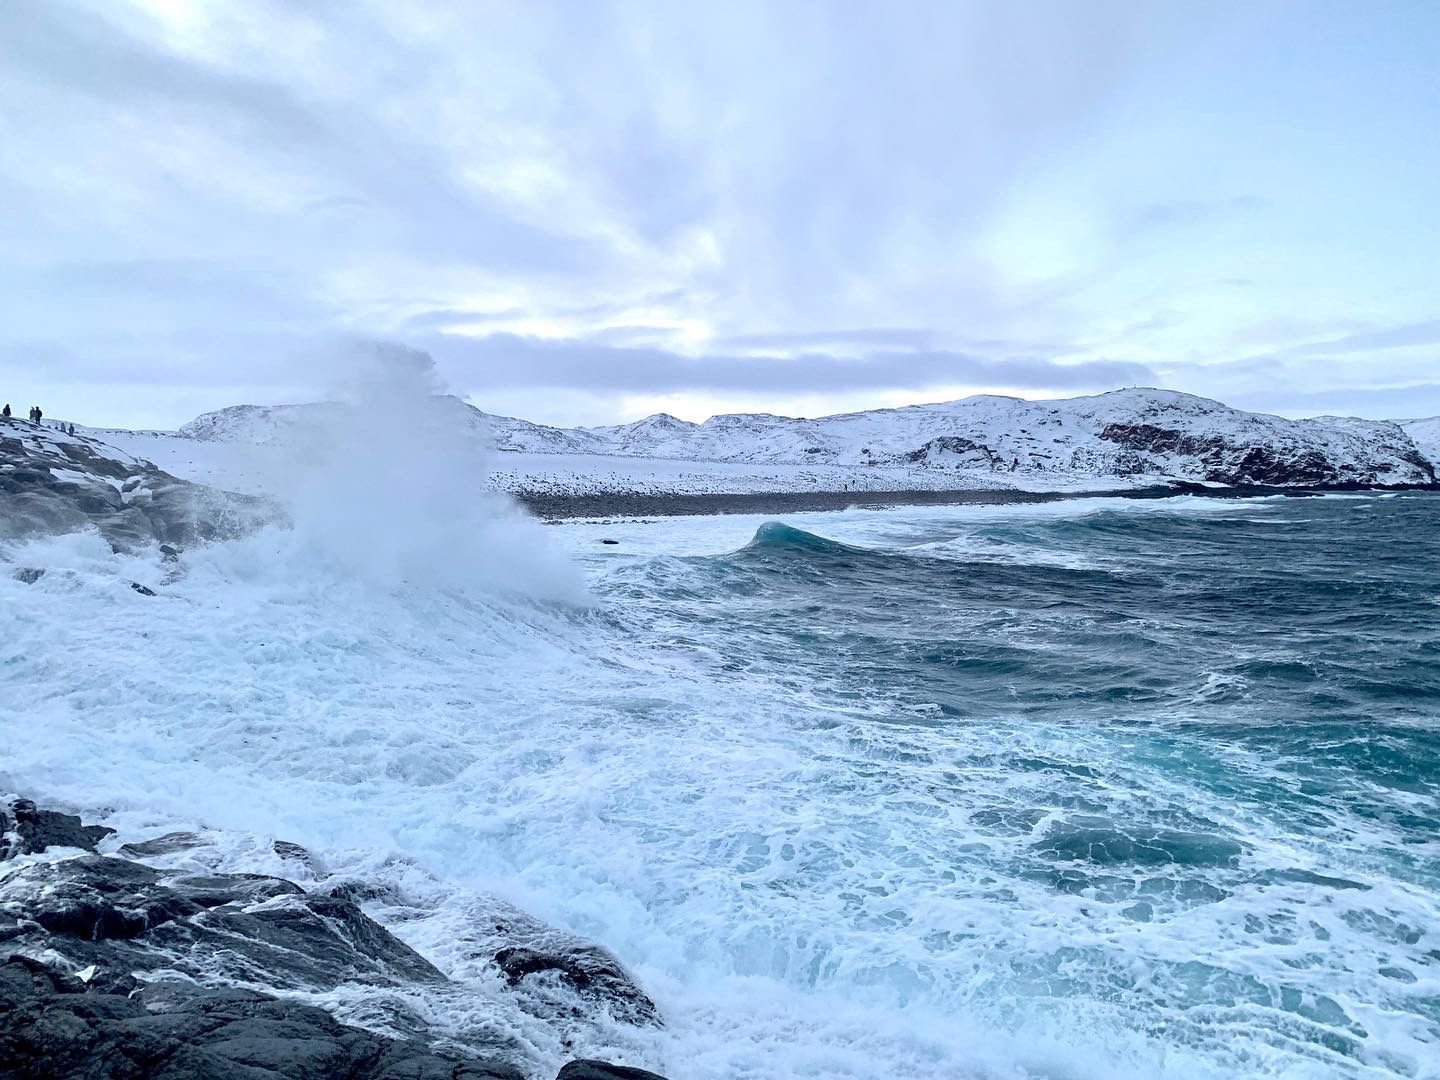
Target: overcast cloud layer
(587, 212)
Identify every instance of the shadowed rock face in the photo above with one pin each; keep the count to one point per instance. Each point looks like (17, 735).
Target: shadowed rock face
(1230, 459)
(51, 482)
(113, 969)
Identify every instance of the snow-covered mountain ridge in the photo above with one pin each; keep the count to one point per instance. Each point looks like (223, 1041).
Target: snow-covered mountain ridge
(1126, 434)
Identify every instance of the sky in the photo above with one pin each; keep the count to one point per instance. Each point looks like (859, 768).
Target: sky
(587, 212)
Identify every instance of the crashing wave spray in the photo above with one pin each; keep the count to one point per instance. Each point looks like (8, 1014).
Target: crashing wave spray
(390, 483)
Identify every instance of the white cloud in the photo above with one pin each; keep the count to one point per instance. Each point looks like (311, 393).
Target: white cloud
(202, 196)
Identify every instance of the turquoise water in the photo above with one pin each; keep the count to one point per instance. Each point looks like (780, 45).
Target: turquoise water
(1171, 774)
(1080, 791)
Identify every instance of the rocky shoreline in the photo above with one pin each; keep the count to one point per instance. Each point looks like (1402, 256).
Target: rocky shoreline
(118, 967)
(554, 508)
(52, 482)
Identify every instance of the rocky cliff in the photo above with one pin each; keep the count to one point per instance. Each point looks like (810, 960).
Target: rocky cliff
(52, 482)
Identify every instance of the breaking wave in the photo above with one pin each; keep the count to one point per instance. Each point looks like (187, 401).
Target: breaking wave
(1016, 792)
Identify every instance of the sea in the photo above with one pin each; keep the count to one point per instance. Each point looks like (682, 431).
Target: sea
(1097, 788)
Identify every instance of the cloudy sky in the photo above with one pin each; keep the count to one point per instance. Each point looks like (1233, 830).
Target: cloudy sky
(587, 212)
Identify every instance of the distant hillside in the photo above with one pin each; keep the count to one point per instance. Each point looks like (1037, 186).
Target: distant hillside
(1426, 436)
(1133, 433)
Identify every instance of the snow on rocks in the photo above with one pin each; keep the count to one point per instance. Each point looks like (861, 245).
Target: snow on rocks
(1134, 436)
(1425, 434)
(53, 482)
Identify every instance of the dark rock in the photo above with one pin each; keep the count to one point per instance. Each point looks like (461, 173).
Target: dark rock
(964, 452)
(93, 897)
(294, 852)
(35, 829)
(22, 978)
(168, 844)
(168, 553)
(1234, 458)
(29, 574)
(107, 927)
(177, 1031)
(124, 916)
(610, 541)
(142, 589)
(363, 892)
(594, 973)
(212, 890)
(590, 1069)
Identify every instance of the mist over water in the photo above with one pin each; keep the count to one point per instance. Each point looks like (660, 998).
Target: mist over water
(1098, 789)
(389, 482)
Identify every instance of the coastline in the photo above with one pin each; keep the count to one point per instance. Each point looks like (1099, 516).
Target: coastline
(554, 508)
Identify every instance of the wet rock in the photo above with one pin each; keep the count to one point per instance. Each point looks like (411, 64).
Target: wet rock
(177, 1031)
(594, 973)
(94, 898)
(589, 1069)
(298, 941)
(295, 853)
(212, 890)
(143, 590)
(123, 916)
(363, 892)
(121, 969)
(168, 844)
(29, 574)
(35, 830)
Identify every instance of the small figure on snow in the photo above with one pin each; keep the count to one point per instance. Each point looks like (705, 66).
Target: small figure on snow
(6, 411)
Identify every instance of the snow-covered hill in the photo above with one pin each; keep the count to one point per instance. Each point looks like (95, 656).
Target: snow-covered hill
(1127, 435)
(1425, 434)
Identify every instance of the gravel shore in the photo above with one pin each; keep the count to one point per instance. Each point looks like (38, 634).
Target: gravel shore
(552, 507)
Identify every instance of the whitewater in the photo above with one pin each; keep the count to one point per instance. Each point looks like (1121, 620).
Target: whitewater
(1084, 790)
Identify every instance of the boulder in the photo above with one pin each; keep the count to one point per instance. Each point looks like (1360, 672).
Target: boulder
(592, 972)
(293, 852)
(36, 829)
(589, 1069)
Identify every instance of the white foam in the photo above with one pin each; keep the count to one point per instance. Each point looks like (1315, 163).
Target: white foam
(806, 892)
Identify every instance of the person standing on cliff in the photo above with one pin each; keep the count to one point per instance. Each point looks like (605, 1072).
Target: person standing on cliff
(6, 411)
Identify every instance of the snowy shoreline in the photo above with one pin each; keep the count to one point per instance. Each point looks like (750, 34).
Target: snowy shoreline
(619, 504)
(1121, 442)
